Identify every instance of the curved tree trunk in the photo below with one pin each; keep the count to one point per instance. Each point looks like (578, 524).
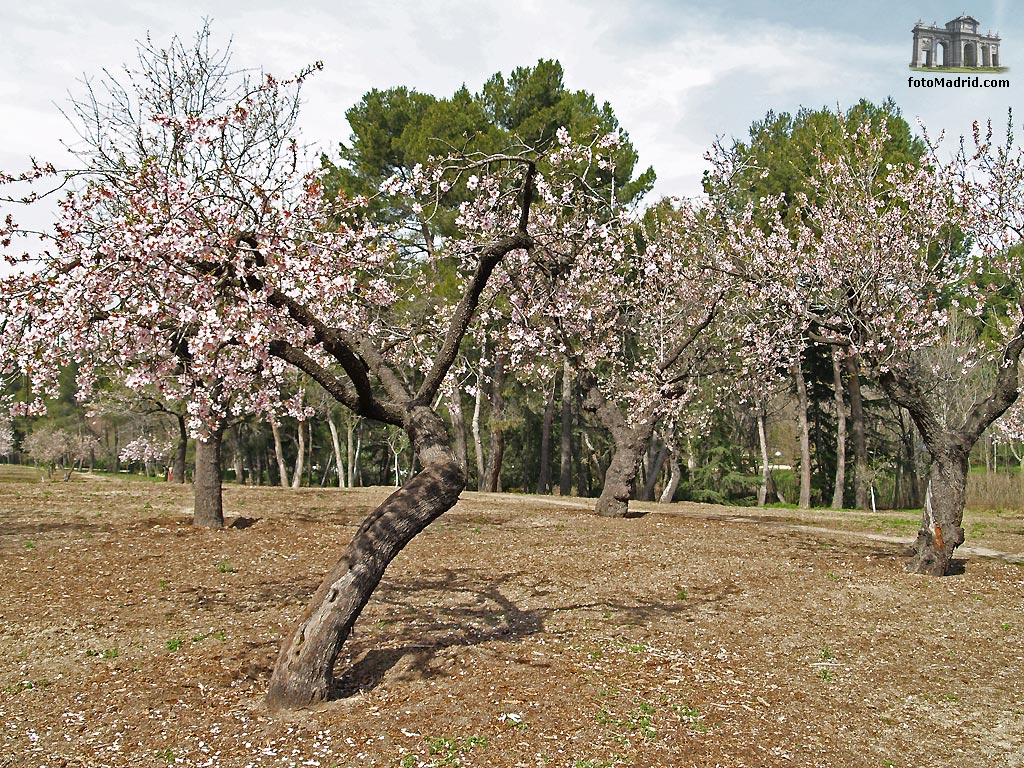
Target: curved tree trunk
(282, 467)
(941, 521)
(300, 456)
(209, 507)
(675, 475)
(304, 670)
(630, 443)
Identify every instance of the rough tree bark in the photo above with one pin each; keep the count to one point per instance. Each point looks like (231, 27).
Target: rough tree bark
(304, 671)
(629, 442)
(950, 446)
(372, 388)
(209, 506)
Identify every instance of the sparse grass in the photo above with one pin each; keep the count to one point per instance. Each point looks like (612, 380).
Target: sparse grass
(225, 567)
(448, 753)
(175, 644)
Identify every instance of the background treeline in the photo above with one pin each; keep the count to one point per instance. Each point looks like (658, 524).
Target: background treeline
(514, 430)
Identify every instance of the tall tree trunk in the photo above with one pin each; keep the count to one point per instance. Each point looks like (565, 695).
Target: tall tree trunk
(674, 476)
(458, 418)
(352, 450)
(860, 446)
(805, 436)
(304, 670)
(544, 476)
(565, 477)
(300, 457)
(282, 467)
(629, 442)
(766, 470)
(336, 442)
(180, 451)
(209, 507)
(654, 470)
(478, 444)
(497, 447)
(840, 485)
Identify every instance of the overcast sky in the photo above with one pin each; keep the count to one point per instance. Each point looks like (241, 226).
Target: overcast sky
(678, 74)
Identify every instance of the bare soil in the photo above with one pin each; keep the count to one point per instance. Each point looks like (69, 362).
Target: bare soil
(516, 631)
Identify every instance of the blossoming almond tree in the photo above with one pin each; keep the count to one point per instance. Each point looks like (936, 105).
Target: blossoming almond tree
(632, 305)
(234, 276)
(875, 271)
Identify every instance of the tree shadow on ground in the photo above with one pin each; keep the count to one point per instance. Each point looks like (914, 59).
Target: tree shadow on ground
(475, 617)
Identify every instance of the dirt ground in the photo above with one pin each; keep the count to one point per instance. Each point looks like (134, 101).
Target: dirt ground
(516, 631)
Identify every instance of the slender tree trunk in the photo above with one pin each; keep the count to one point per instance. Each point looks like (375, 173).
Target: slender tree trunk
(352, 452)
(300, 457)
(654, 470)
(282, 468)
(336, 442)
(565, 477)
(674, 476)
(209, 507)
(544, 476)
(766, 470)
(478, 444)
(860, 447)
(458, 418)
(180, 451)
(303, 674)
(805, 436)
(630, 443)
(497, 447)
(840, 485)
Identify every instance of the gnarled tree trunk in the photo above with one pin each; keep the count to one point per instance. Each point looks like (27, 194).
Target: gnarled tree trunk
(941, 530)
(209, 507)
(305, 665)
(630, 444)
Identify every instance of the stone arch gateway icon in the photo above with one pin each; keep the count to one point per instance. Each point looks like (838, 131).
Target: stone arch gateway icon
(957, 44)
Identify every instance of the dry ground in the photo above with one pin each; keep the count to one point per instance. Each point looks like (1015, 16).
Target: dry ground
(516, 631)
